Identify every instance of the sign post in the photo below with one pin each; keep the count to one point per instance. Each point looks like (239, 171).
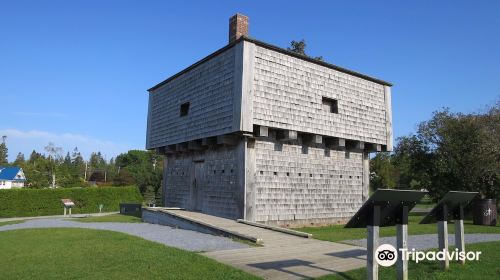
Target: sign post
(452, 204)
(386, 208)
(68, 204)
(372, 243)
(459, 231)
(402, 241)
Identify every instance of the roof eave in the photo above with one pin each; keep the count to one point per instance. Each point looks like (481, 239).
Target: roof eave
(319, 62)
(275, 48)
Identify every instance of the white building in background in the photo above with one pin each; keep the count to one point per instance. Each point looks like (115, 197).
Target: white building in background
(11, 177)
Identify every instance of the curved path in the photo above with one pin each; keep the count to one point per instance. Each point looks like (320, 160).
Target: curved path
(179, 238)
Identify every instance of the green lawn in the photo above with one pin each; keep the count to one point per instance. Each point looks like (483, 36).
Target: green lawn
(69, 253)
(426, 202)
(11, 222)
(339, 233)
(488, 267)
(116, 218)
(425, 205)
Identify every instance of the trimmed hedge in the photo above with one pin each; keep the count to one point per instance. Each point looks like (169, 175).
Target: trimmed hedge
(42, 202)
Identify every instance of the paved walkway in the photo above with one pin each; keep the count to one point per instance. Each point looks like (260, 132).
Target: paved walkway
(179, 238)
(429, 241)
(283, 256)
(57, 216)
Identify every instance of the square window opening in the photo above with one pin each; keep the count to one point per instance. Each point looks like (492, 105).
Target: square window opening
(184, 109)
(331, 105)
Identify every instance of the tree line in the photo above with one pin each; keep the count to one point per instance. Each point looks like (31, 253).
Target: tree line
(451, 151)
(53, 169)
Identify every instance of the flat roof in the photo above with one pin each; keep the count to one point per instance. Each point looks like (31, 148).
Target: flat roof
(277, 49)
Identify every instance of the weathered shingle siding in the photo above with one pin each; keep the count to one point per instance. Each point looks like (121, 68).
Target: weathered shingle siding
(221, 192)
(209, 87)
(288, 94)
(317, 185)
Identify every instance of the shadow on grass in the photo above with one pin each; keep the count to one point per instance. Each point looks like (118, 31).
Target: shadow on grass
(285, 265)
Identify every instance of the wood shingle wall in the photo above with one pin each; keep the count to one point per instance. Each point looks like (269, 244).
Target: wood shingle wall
(208, 88)
(297, 185)
(217, 172)
(288, 94)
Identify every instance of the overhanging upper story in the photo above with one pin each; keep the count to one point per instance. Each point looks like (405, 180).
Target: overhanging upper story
(249, 85)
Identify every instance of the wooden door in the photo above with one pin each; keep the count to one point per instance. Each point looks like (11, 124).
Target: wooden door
(197, 187)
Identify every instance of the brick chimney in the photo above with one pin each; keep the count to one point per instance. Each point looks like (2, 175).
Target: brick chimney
(238, 26)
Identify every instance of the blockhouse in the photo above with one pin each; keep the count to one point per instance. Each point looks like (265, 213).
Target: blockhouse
(257, 132)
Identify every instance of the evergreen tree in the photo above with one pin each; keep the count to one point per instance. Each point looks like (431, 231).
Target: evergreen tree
(34, 156)
(67, 159)
(142, 168)
(19, 159)
(76, 158)
(299, 47)
(97, 161)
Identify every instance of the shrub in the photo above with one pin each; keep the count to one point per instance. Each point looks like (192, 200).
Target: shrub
(41, 202)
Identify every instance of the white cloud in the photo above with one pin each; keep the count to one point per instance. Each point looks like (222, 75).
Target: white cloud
(27, 141)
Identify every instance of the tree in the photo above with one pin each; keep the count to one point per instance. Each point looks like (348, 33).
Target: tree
(96, 160)
(78, 163)
(143, 168)
(37, 170)
(413, 160)
(455, 151)
(67, 159)
(34, 156)
(19, 159)
(4, 152)
(489, 126)
(54, 157)
(299, 47)
(451, 151)
(383, 173)
(76, 158)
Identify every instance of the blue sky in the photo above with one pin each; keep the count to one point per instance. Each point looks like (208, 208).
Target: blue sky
(76, 72)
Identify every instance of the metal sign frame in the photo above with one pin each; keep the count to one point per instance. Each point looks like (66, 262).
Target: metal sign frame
(386, 208)
(68, 204)
(452, 205)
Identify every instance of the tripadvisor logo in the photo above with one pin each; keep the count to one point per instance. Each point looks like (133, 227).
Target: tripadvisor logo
(387, 255)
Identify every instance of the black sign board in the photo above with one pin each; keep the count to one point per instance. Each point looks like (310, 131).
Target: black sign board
(131, 209)
(451, 205)
(389, 205)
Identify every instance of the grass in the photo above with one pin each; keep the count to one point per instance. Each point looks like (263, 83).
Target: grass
(115, 218)
(488, 267)
(70, 253)
(426, 203)
(11, 222)
(337, 233)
